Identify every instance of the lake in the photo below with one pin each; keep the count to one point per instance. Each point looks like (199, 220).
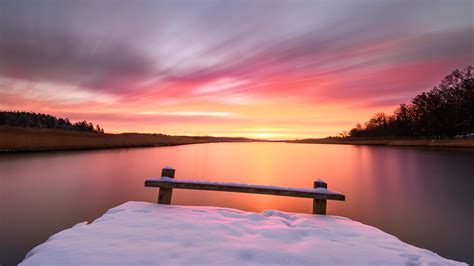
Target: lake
(423, 196)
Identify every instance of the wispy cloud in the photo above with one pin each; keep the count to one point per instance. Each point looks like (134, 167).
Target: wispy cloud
(190, 113)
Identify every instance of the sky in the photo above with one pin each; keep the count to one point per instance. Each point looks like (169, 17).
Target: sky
(264, 69)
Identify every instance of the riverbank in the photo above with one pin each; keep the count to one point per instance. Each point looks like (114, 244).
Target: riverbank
(439, 143)
(14, 139)
(140, 233)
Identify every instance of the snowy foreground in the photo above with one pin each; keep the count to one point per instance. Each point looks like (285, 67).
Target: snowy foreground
(145, 233)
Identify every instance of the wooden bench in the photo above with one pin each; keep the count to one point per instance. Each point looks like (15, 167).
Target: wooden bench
(320, 194)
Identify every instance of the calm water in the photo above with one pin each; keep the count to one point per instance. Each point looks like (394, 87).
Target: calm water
(422, 196)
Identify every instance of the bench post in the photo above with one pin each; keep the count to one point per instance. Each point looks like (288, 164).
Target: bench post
(319, 205)
(164, 196)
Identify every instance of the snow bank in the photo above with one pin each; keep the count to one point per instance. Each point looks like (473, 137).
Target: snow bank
(145, 233)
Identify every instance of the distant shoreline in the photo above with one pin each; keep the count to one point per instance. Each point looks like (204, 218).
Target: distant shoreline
(14, 139)
(17, 140)
(438, 143)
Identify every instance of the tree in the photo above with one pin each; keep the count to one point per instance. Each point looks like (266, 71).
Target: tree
(34, 120)
(445, 111)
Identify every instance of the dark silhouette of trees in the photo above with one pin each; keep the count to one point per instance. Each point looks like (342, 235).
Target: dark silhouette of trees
(445, 111)
(34, 120)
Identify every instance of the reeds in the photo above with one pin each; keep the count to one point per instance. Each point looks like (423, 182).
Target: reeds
(33, 139)
(448, 143)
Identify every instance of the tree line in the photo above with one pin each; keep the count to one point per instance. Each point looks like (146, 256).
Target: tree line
(36, 120)
(445, 111)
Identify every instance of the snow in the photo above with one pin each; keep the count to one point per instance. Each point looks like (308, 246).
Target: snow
(139, 233)
(231, 184)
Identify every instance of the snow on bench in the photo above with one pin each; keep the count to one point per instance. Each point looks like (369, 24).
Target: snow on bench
(320, 194)
(316, 193)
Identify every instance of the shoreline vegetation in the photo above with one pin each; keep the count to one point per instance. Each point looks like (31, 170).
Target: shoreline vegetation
(14, 139)
(414, 142)
(19, 139)
(29, 131)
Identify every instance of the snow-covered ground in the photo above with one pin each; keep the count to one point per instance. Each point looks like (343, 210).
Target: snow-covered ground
(144, 233)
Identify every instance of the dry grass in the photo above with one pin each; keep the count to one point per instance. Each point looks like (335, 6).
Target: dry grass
(33, 139)
(447, 143)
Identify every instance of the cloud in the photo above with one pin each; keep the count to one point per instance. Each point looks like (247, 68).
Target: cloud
(190, 114)
(220, 85)
(46, 56)
(218, 61)
(53, 92)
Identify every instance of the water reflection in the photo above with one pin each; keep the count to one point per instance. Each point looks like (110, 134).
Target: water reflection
(423, 196)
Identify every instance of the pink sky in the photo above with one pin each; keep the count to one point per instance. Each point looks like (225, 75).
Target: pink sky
(266, 69)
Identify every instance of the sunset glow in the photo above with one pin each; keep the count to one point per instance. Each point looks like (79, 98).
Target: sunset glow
(272, 70)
